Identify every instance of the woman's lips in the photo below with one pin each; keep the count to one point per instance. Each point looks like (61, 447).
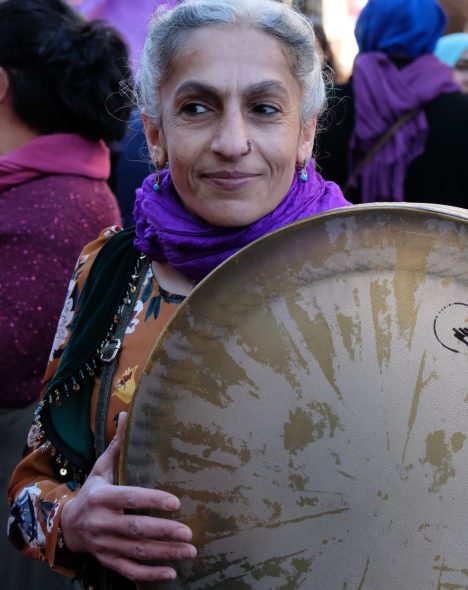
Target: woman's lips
(230, 180)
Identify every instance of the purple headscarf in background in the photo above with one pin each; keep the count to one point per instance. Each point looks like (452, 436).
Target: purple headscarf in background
(167, 232)
(389, 29)
(382, 95)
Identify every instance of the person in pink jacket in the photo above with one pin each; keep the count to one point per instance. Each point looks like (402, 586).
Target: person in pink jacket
(59, 83)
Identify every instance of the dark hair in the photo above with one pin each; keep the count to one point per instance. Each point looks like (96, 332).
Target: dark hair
(65, 72)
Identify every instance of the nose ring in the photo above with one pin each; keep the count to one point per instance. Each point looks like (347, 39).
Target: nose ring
(249, 146)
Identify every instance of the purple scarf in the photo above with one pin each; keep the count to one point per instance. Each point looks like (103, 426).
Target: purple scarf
(166, 232)
(382, 94)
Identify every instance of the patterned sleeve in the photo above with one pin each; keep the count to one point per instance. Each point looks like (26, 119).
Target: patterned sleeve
(36, 497)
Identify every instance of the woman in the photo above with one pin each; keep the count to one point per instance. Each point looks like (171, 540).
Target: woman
(59, 83)
(453, 51)
(230, 94)
(129, 157)
(396, 130)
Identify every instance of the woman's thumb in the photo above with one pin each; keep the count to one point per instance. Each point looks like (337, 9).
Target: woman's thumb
(107, 464)
(121, 422)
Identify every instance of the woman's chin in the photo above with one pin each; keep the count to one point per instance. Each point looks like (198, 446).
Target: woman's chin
(232, 217)
(227, 211)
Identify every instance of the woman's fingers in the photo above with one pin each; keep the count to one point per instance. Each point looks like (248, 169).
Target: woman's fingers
(135, 527)
(125, 556)
(142, 549)
(98, 511)
(130, 497)
(138, 572)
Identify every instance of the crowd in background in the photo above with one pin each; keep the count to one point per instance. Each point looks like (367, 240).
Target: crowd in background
(70, 140)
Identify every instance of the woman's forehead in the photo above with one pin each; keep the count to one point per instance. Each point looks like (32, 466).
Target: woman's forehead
(229, 56)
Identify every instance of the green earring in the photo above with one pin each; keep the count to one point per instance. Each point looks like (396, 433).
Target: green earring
(156, 179)
(304, 173)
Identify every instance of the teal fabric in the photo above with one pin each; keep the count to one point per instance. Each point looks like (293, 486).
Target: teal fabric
(450, 48)
(67, 426)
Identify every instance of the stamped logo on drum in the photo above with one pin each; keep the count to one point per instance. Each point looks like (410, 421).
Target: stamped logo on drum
(451, 326)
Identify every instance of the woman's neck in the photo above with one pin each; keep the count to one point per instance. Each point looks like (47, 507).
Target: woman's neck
(171, 280)
(14, 133)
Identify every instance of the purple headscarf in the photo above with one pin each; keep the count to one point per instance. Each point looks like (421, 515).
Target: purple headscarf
(400, 28)
(382, 95)
(167, 232)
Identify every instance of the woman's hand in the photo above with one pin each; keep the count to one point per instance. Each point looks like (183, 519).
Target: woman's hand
(94, 522)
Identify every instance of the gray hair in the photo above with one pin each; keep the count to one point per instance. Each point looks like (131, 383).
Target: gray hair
(169, 29)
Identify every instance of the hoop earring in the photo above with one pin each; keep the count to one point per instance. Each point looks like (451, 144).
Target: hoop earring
(156, 179)
(304, 173)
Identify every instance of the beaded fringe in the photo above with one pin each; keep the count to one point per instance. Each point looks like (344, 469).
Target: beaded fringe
(91, 367)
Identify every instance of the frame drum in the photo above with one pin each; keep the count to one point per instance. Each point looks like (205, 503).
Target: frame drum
(308, 403)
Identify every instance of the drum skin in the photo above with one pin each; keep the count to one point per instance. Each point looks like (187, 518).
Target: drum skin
(308, 404)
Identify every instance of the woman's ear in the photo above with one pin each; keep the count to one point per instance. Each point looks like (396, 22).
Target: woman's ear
(156, 142)
(4, 84)
(306, 140)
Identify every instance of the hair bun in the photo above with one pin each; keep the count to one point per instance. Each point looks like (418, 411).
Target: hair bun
(65, 71)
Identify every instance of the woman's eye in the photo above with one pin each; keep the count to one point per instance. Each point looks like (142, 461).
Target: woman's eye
(265, 109)
(194, 108)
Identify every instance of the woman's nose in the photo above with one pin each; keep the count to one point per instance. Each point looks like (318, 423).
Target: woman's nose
(231, 138)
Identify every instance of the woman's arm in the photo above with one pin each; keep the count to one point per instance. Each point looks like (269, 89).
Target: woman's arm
(36, 497)
(36, 501)
(63, 523)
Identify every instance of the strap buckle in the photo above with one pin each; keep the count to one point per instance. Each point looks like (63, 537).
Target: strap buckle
(110, 351)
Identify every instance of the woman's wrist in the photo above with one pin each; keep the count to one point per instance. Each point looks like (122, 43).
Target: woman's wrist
(66, 559)
(66, 540)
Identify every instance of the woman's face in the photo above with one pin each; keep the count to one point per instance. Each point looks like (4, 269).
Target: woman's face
(461, 72)
(228, 87)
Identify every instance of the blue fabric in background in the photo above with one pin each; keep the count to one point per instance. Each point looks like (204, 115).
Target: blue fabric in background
(449, 49)
(131, 164)
(400, 28)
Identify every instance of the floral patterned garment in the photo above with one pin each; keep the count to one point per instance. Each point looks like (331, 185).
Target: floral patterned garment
(36, 497)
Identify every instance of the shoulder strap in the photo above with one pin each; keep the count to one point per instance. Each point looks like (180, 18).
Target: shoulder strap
(380, 143)
(109, 357)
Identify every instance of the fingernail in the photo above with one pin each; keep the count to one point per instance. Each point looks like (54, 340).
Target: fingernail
(183, 533)
(189, 552)
(171, 503)
(170, 575)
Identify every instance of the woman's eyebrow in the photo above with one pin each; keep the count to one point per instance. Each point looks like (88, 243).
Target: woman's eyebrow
(193, 87)
(259, 88)
(266, 87)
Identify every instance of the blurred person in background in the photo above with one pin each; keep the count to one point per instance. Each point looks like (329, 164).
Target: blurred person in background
(59, 85)
(457, 15)
(331, 66)
(398, 130)
(130, 160)
(453, 51)
(129, 18)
